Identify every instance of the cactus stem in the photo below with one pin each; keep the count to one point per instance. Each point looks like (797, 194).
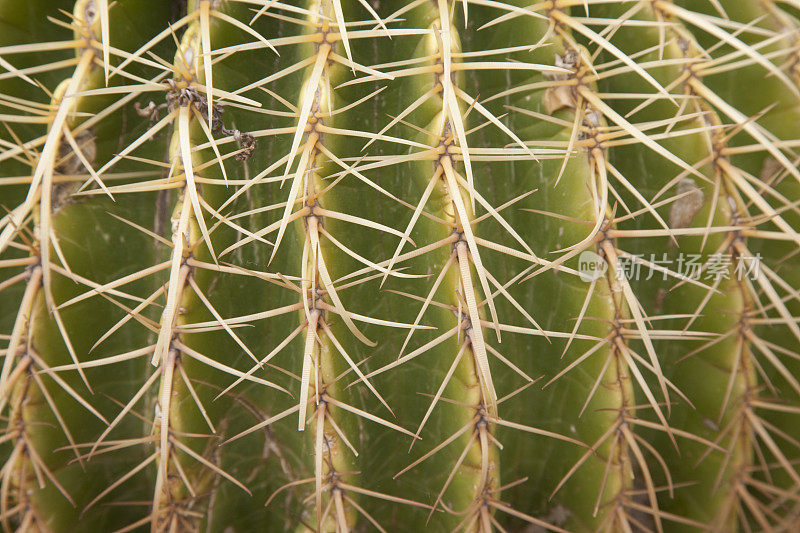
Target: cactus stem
(659, 124)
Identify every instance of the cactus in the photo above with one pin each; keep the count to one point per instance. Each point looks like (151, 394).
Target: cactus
(333, 265)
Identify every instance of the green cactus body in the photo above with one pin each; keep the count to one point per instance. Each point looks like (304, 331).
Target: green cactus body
(776, 118)
(50, 416)
(724, 363)
(350, 265)
(461, 350)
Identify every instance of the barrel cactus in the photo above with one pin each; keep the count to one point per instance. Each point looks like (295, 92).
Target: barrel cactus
(334, 265)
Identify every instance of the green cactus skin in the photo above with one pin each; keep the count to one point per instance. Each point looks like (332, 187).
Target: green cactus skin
(773, 329)
(322, 265)
(724, 364)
